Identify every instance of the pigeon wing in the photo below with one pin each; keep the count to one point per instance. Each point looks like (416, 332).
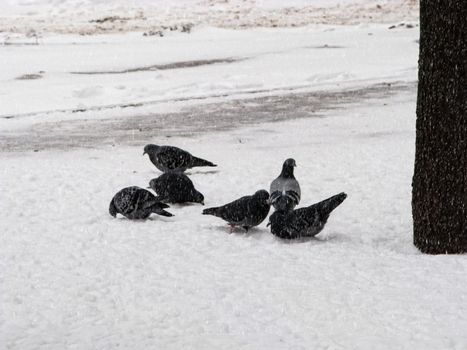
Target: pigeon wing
(236, 211)
(144, 199)
(125, 200)
(302, 218)
(173, 158)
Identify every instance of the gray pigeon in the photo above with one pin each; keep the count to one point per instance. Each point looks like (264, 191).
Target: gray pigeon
(173, 159)
(175, 188)
(285, 190)
(136, 203)
(248, 211)
(304, 222)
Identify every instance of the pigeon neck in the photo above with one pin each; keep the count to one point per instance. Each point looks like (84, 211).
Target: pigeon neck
(287, 171)
(152, 156)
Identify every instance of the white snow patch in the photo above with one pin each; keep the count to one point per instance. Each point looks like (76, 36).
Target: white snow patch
(74, 277)
(87, 17)
(267, 59)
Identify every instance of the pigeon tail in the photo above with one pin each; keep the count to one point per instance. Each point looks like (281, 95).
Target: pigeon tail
(112, 209)
(201, 162)
(328, 205)
(160, 204)
(211, 211)
(163, 212)
(157, 208)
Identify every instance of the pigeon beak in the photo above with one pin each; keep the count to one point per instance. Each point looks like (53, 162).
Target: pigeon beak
(149, 187)
(144, 153)
(202, 203)
(268, 201)
(269, 224)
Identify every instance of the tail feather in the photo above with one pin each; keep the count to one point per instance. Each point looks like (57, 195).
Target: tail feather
(163, 213)
(160, 201)
(155, 204)
(162, 205)
(328, 205)
(201, 162)
(158, 208)
(210, 211)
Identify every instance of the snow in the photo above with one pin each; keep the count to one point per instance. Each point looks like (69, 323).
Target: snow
(87, 17)
(301, 57)
(73, 277)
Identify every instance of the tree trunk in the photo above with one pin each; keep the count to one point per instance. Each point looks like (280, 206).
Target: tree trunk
(439, 196)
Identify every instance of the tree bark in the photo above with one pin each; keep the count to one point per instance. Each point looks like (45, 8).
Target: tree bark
(439, 188)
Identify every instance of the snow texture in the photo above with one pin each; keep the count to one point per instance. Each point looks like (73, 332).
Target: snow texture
(34, 17)
(339, 101)
(314, 59)
(74, 277)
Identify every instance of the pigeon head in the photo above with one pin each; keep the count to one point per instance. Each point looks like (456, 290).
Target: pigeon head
(198, 197)
(287, 168)
(290, 162)
(149, 149)
(262, 196)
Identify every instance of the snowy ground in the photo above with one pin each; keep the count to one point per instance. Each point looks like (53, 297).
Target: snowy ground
(173, 74)
(74, 277)
(339, 99)
(35, 17)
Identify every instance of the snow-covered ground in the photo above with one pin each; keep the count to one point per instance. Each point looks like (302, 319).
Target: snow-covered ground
(99, 16)
(338, 99)
(72, 72)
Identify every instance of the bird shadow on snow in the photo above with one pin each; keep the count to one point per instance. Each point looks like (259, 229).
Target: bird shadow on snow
(160, 218)
(151, 218)
(202, 172)
(184, 205)
(319, 239)
(261, 233)
(239, 231)
(302, 240)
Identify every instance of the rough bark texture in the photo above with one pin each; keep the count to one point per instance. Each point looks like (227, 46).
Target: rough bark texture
(439, 202)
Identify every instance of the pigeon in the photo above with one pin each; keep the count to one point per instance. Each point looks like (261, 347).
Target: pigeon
(175, 188)
(246, 212)
(136, 203)
(285, 190)
(304, 222)
(173, 159)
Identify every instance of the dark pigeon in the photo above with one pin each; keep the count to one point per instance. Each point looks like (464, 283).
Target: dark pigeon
(175, 188)
(304, 222)
(285, 190)
(136, 203)
(246, 212)
(173, 159)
